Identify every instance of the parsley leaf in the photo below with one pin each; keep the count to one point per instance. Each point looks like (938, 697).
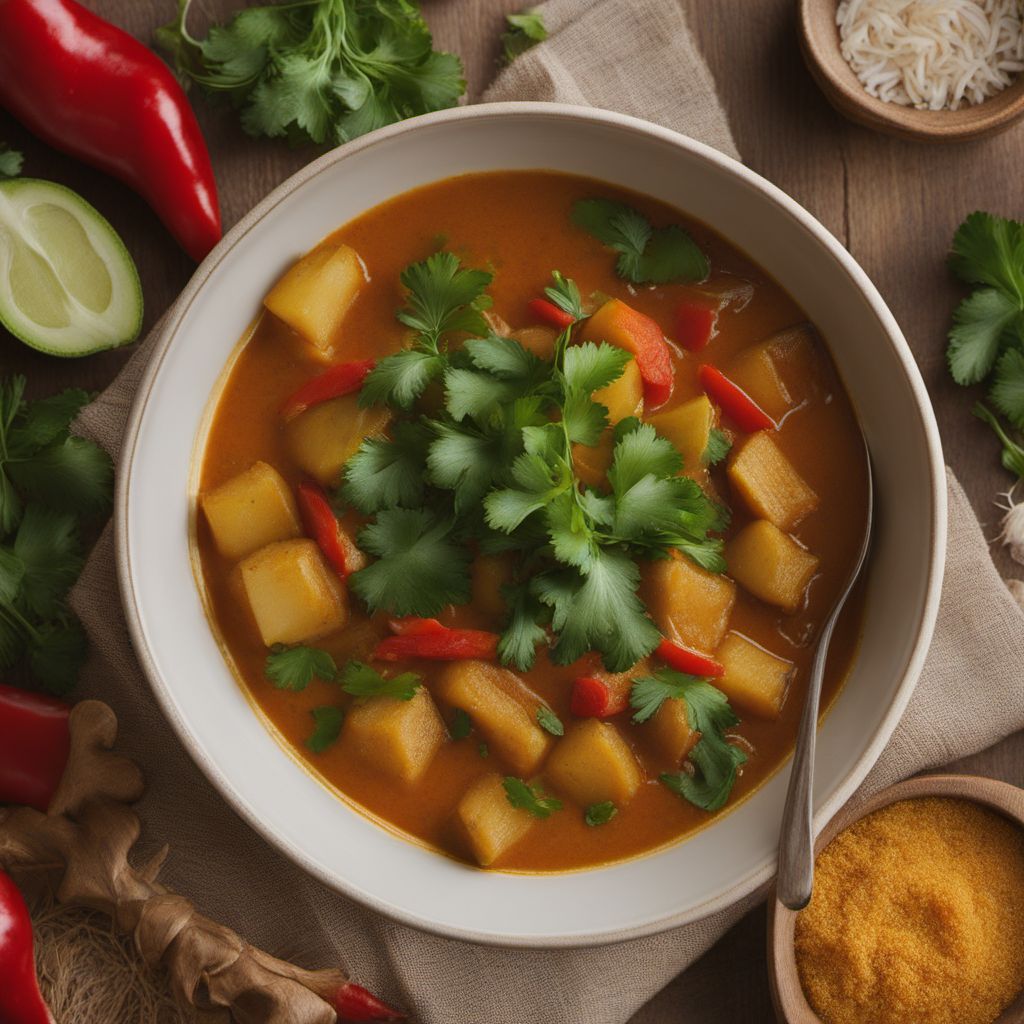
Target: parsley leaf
(524, 31)
(718, 447)
(522, 795)
(294, 668)
(362, 680)
(461, 725)
(600, 814)
(327, 723)
(549, 721)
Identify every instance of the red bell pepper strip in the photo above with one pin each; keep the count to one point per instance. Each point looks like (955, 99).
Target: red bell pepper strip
(695, 325)
(682, 659)
(20, 999)
(354, 1003)
(548, 313)
(34, 746)
(427, 638)
(339, 380)
(322, 525)
(592, 697)
(734, 401)
(90, 89)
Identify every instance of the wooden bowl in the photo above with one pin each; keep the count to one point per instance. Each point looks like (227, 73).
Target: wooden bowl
(791, 1006)
(819, 41)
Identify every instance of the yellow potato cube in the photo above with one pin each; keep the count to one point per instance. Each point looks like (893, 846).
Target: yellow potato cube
(767, 482)
(495, 700)
(397, 737)
(777, 373)
(490, 573)
(624, 397)
(489, 824)
(313, 297)
(688, 427)
(538, 340)
(670, 731)
(293, 595)
(689, 604)
(250, 511)
(770, 564)
(592, 464)
(755, 681)
(325, 437)
(593, 763)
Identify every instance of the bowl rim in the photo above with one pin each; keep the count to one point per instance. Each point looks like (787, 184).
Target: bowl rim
(167, 328)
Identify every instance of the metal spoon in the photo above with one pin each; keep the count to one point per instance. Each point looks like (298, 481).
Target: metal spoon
(796, 842)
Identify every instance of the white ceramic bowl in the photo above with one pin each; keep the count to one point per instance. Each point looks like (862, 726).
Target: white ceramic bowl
(156, 497)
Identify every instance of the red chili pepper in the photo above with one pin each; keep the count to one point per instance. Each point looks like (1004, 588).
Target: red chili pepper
(88, 88)
(593, 698)
(427, 638)
(322, 525)
(354, 1003)
(34, 746)
(414, 626)
(548, 313)
(682, 659)
(337, 381)
(695, 325)
(20, 999)
(735, 402)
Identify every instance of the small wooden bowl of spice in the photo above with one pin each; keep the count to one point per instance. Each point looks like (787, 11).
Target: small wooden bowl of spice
(936, 70)
(917, 915)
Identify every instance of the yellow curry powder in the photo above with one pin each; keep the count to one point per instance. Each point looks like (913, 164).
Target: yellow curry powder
(917, 917)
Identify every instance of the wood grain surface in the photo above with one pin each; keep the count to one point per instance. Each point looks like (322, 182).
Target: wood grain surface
(894, 204)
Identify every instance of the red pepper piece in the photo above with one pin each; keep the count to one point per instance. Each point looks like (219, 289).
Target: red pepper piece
(337, 381)
(425, 640)
(322, 525)
(20, 999)
(592, 697)
(413, 626)
(682, 659)
(734, 401)
(548, 313)
(88, 88)
(354, 1003)
(695, 325)
(34, 746)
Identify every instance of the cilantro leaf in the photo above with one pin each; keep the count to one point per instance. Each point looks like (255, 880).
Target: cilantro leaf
(525, 30)
(463, 461)
(399, 379)
(990, 250)
(420, 568)
(640, 453)
(327, 722)
(522, 795)
(48, 549)
(1013, 453)
(648, 693)
(718, 447)
(585, 420)
(565, 294)
(504, 358)
(385, 473)
(46, 419)
(476, 395)
(362, 680)
(600, 814)
(70, 474)
(538, 483)
(461, 725)
(1008, 388)
(294, 668)
(443, 297)
(549, 721)
(10, 162)
(588, 367)
(979, 325)
(518, 644)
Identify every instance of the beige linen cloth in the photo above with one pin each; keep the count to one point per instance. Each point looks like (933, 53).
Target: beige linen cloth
(635, 56)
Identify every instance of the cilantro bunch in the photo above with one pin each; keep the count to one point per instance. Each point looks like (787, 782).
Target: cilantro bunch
(322, 71)
(987, 337)
(486, 463)
(50, 482)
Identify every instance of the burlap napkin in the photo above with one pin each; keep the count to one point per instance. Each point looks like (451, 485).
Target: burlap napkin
(635, 56)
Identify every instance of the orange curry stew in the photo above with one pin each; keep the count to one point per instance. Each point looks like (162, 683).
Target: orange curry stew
(532, 569)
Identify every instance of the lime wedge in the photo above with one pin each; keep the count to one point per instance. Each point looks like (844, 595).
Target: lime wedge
(67, 283)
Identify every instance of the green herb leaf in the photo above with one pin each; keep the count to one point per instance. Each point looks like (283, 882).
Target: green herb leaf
(443, 297)
(524, 31)
(565, 295)
(718, 447)
(600, 814)
(1013, 453)
(401, 378)
(989, 250)
(588, 366)
(979, 326)
(528, 798)
(518, 644)
(48, 549)
(294, 668)
(505, 359)
(549, 721)
(463, 460)
(461, 725)
(387, 473)
(327, 723)
(362, 680)
(1008, 388)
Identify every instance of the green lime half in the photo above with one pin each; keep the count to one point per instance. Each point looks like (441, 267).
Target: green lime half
(67, 283)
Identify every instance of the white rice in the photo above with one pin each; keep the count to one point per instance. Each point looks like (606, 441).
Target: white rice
(933, 54)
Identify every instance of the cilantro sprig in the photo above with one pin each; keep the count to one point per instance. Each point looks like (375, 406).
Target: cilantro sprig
(327, 722)
(525, 30)
(294, 668)
(529, 798)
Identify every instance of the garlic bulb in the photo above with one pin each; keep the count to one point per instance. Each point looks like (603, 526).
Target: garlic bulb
(1012, 535)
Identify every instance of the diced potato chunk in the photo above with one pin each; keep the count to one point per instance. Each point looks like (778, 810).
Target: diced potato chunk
(397, 737)
(689, 604)
(592, 464)
(314, 295)
(770, 564)
(670, 731)
(688, 427)
(490, 574)
(488, 822)
(767, 482)
(755, 681)
(325, 437)
(250, 511)
(293, 595)
(538, 340)
(593, 763)
(624, 396)
(777, 373)
(485, 692)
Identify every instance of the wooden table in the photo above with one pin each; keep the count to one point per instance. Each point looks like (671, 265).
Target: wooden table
(894, 204)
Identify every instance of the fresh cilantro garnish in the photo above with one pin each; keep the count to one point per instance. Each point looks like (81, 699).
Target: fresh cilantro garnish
(1013, 453)
(10, 162)
(647, 255)
(361, 680)
(565, 294)
(524, 31)
(461, 725)
(600, 814)
(549, 721)
(714, 759)
(387, 473)
(294, 668)
(528, 798)
(324, 71)
(50, 482)
(326, 727)
(523, 632)
(718, 447)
